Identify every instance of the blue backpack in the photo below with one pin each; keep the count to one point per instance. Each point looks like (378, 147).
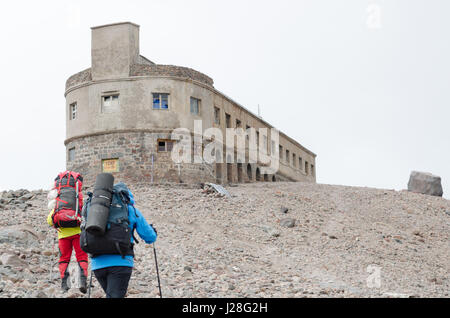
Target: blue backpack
(117, 236)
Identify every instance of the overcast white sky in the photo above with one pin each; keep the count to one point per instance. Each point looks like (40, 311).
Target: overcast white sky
(365, 84)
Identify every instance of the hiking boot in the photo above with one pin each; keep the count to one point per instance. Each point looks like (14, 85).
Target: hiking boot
(83, 282)
(65, 282)
(82, 267)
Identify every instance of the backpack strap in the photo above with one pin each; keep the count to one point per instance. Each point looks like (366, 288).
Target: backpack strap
(116, 244)
(134, 226)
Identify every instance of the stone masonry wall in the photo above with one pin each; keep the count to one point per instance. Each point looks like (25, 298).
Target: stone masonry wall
(134, 151)
(147, 70)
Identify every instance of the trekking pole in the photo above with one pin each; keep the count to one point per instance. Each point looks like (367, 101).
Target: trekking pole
(157, 271)
(77, 203)
(53, 265)
(90, 284)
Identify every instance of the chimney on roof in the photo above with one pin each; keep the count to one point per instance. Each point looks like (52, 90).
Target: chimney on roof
(114, 48)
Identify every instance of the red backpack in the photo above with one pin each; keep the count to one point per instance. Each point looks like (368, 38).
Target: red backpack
(68, 208)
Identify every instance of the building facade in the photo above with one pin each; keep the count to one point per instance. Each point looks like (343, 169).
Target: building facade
(121, 114)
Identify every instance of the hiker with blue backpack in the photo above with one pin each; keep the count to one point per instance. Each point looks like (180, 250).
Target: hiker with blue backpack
(107, 234)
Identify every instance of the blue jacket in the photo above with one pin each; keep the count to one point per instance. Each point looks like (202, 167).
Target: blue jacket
(143, 229)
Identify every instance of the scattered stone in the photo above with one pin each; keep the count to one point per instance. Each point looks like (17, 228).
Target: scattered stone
(284, 210)
(271, 231)
(186, 274)
(22, 206)
(27, 196)
(39, 294)
(227, 248)
(74, 293)
(287, 223)
(47, 253)
(395, 295)
(436, 280)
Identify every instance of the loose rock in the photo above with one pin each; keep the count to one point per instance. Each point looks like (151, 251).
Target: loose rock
(425, 183)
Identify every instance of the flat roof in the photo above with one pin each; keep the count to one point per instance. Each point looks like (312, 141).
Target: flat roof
(113, 24)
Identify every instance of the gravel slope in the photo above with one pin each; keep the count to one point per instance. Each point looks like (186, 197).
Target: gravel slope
(267, 240)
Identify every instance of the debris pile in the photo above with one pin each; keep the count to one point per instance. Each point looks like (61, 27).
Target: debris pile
(215, 189)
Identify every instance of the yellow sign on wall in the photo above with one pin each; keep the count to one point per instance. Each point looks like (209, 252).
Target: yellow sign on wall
(110, 165)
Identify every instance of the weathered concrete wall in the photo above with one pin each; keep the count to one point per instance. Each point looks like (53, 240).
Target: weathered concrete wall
(136, 113)
(114, 49)
(136, 106)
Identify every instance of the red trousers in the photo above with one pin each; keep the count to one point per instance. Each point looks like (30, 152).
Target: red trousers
(65, 250)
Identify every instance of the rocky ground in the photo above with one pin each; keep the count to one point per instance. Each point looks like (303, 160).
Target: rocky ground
(266, 240)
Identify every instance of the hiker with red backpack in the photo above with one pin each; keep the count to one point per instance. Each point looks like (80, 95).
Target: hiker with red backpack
(66, 201)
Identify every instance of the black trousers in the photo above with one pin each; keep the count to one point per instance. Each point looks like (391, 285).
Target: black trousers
(114, 280)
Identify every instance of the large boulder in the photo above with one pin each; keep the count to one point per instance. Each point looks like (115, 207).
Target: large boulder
(425, 183)
(23, 235)
(13, 261)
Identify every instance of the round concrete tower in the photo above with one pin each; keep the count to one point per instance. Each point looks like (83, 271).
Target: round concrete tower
(120, 112)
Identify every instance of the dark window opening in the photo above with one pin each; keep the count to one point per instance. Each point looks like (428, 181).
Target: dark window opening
(165, 145)
(217, 115)
(71, 154)
(73, 111)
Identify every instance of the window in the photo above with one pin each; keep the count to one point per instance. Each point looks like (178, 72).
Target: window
(71, 154)
(228, 120)
(287, 156)
(165, 145)
(300, 163)
(195, 106)
(110, 103)
(257, 140)
(238, 123)
(313, 172)
(160, 101)
(280, 151)
(306, 167)
(217, 115)
(247, 127)
(294, 161)
(73, 111)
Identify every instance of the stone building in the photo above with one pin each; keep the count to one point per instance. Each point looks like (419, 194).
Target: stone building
(121, 113)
